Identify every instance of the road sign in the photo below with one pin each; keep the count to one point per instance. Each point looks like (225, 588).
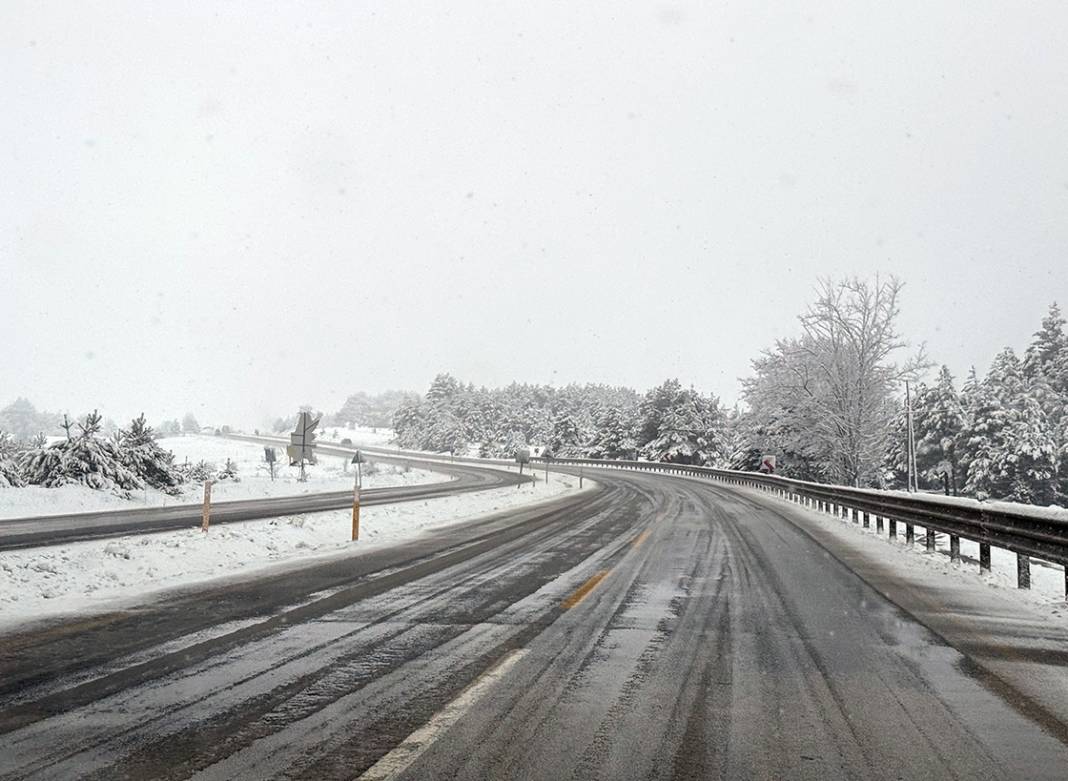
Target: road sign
(269, 455)
(302, 442)
(522, 455)
(357, 458)
(767, 465)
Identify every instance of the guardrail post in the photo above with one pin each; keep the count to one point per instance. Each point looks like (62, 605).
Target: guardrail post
(910, 533)
(954, 548)
(930, 542)
(893, 528)
(879, 524)
(984, 558)
(1023, 571)
(867, 521)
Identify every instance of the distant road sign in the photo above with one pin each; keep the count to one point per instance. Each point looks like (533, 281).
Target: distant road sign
(767, 465)
(522, 455)
(269, 455)
(302, 441)
(357, 458)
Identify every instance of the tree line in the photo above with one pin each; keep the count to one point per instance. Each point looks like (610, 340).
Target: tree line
(827, 401)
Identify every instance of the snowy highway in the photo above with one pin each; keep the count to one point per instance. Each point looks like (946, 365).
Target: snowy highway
(656, 627)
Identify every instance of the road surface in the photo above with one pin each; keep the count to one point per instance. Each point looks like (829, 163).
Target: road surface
(655, 627)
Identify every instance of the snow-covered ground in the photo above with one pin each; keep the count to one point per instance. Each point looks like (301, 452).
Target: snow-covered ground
(361, 435)
(42, 583)
(330, 474)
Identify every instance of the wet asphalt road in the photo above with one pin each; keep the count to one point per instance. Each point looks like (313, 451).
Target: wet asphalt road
(656, 627)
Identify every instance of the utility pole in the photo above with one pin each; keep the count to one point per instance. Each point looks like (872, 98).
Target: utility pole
(911, 455)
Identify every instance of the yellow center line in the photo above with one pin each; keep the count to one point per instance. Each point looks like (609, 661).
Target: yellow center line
(583, 590)
(640, 538)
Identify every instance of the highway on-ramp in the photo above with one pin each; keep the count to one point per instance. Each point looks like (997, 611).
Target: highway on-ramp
(651, 627)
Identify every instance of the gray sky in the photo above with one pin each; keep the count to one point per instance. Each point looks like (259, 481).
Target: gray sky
(236, 208)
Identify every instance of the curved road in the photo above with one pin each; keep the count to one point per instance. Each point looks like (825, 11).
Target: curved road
(653, 627)
(36, 531)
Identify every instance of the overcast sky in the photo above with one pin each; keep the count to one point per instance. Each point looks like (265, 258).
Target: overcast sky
(236, 208)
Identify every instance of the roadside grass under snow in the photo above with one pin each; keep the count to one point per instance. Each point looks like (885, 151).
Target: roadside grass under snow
(332, 473)
(89, 577)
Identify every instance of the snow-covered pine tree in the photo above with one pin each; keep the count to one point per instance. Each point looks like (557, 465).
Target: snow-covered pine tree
(10, 471)
(197, 472)
(170, 428)
(85, 458)
(895, 467)
(141, 452)
(689, 430)
(1048, 353)
(20, 420)
(1045, 365)
(565, 439)
(741, 446)
(190, 424)
(228, 472)
(938, 429)
(614, 435)
(1009, 449)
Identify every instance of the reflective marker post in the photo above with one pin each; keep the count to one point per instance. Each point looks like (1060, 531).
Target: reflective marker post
(357, 484)
(355, 512)
(207, 506)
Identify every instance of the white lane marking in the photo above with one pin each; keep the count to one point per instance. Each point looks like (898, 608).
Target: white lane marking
(400, 758)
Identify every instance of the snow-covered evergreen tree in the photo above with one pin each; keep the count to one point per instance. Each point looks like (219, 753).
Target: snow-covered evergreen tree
(190, 424)
(689, 430)
(142, 454)
(937, 429)
(170, 428)
(1048, 352)
(228, 472)
(1045, 364)
(10, 471)
(1008, 446)
(197, 472)
(86, 458)
(614, 434)
(741, 444)
(566, 436)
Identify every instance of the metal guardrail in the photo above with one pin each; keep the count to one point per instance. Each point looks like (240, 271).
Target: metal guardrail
(1024, 533)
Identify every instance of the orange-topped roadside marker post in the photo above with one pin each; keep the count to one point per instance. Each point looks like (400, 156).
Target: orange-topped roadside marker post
(207, 506)
(357, 484)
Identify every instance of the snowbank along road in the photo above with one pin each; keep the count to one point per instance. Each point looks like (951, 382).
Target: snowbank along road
(656, 627)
